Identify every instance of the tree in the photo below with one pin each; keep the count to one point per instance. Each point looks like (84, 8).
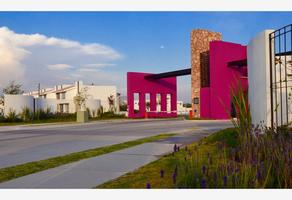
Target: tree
(13, 88)
(80, 99)
(111, 102)
(187, 105)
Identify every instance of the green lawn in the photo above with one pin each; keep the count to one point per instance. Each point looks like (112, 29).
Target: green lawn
(37, 166)
(200, 151)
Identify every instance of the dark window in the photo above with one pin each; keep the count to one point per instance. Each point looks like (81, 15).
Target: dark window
(196, 100)
(205, 69)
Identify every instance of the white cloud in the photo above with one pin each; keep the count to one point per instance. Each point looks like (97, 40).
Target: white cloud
(37, 58)
(162, 47)
(88, 70)
(99, 65)
(59, 67)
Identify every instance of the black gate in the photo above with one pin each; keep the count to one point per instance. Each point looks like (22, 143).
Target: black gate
(280, 42)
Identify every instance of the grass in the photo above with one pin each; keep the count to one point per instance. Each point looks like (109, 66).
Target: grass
(221, 160)
(68, 120)
(13, 172)
(37, 122)
(151, 173)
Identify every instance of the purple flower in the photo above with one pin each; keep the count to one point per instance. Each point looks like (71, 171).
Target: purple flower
(259, 175)
(203, 183)
(148, 186)
(225, 181)
(161, 173)
(174, 178)
(175, 148)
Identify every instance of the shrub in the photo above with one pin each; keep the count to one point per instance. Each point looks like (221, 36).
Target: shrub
(99, 112)
(2, 118)
(26, 115)
(12, 116)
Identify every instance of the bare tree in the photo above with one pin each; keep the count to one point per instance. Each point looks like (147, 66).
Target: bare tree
(13, 88)
(80, 99)
(111, 102)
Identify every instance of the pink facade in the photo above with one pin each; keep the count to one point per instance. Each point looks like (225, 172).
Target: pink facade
(136, 83)
(216, 99)
(227, 68)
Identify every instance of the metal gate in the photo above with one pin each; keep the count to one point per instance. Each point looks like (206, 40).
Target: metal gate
(280, 43)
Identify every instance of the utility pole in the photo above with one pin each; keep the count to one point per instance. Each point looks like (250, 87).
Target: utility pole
(39, 89)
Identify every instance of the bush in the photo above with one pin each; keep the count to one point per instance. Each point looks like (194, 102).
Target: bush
(99, 112)
(123, 107)
(26, 114)
(12, 116)
(2, 118)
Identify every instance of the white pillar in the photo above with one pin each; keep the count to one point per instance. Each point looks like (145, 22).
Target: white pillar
(258, 62)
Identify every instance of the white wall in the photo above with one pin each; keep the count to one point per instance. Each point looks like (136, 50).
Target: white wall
(102, 93)
(46, 103)
(17, 103)
(93, 105)
(258, 62)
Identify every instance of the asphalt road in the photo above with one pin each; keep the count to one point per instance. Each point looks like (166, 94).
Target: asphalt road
(21, 144)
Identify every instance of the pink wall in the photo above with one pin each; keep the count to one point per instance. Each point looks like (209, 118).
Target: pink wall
(136, 83)
(216, 99)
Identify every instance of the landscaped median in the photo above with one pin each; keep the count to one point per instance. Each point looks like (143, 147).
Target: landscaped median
(13, 172)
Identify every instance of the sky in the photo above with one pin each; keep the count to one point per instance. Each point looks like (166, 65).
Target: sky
(101, 47)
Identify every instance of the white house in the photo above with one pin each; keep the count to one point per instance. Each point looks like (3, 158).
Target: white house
(61, 98)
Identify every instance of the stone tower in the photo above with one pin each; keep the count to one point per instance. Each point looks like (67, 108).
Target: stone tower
(200, 40)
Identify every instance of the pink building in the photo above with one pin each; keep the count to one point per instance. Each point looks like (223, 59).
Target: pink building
(157, 89)
(227, 68)
(218, 66)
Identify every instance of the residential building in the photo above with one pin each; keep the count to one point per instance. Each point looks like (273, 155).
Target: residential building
(61, 98)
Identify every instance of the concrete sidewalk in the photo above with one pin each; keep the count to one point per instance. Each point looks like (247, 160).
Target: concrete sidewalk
(91, 172)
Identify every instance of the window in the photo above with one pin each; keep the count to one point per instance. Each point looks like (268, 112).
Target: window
(58, 95)
(168, 103)
(158, 102)
(147, 102)
(196, 100)
(136, 103)
(63, 95)
(63, 108)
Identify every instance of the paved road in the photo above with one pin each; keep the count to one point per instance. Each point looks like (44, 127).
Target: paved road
(23, 144)
(90, 172)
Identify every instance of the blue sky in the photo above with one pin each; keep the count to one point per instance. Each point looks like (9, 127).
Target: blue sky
(141, 41)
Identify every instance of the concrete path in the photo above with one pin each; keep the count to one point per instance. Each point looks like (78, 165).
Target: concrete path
(21, 144)
(93, 171)
(90, 172)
